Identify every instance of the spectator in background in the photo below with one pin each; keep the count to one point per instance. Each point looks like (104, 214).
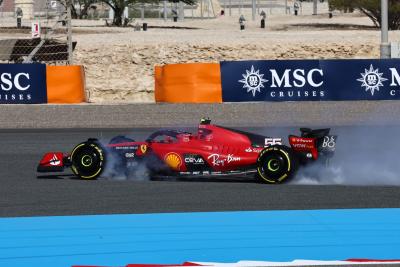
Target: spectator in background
(241, 22)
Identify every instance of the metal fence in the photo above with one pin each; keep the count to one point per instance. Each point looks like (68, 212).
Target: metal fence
(37, 31)
(41, 29)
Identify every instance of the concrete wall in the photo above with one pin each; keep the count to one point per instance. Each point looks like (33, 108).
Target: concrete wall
(229, 114)
(8, 6)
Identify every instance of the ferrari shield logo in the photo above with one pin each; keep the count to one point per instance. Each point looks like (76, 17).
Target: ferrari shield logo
(143, 148)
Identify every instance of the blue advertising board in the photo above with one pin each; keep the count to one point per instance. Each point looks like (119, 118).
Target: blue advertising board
(23, 84)
(310, 80)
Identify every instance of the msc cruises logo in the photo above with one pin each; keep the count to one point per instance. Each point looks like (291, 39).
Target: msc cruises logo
(253, 81)
(372, 79)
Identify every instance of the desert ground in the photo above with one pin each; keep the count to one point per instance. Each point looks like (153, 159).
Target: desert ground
(120, 62)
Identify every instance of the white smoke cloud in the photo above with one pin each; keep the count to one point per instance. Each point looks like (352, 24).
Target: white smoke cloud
(364, 156)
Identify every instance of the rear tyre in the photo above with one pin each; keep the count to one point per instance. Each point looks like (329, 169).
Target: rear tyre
(88, 160)
(276, 164)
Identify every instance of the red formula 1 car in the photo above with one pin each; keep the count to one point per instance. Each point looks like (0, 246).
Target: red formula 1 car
(212, 151)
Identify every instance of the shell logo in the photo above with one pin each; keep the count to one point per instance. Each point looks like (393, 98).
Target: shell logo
(173, 160)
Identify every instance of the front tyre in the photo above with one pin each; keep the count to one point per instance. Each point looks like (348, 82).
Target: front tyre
(276, 164)
(88, 160)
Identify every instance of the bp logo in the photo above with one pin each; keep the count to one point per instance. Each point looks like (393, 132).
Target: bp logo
(371, 79)
(253, 81)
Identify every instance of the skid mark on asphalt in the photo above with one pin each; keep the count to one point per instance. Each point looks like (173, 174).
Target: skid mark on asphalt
(116, 240)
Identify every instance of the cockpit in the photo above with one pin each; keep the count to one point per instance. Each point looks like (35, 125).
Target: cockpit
(174, 136)
(204, 134)
(164, 136)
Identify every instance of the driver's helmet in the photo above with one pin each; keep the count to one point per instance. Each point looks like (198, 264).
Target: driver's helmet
(205, 121)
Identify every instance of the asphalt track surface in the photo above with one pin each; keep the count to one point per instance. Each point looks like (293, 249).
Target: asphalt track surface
(371, 182)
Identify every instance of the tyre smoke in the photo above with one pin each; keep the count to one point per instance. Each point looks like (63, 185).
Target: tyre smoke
(116, 168)
(364, 156)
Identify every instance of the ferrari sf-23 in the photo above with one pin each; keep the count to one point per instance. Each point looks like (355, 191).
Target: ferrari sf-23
(212, 151)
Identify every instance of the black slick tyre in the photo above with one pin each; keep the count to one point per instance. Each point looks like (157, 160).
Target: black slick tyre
(276, 164)
(88, 160)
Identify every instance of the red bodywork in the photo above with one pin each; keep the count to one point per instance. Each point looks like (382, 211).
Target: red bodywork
(212, 148)
(52, 159)
(305, 145)
(221, 149)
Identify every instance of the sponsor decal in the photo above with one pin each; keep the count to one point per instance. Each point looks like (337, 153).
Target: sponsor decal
(217, 160)
(304, 80)
(372, 79)
(55, 161)
(125, 147)
(194, 162)
(297, 142)
(253, 81)
(173, 160)
(17, 84)
(194, 159)
(306, 145)
(143, 148)
(253, 149)
(300, 146)
(273, 141)
(302, 140)
(329, 142)
(23, 84)
(232, 158)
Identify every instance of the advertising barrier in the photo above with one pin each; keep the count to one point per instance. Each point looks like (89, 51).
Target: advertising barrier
(39, 84)
(23, 84)
(310, 80)
(188, 83)
(279, 80)
(65, 84)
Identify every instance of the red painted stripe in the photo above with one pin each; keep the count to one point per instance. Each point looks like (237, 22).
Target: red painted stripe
(371, 260)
